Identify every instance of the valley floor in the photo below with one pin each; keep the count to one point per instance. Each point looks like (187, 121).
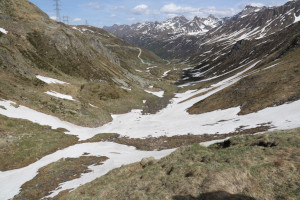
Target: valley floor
(174, 120)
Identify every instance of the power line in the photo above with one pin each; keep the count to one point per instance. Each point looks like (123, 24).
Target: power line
(57, 9)
(66, 19)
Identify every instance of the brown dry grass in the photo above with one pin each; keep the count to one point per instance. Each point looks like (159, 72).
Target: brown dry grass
(50, 176)
(245, 168)
(274, 86)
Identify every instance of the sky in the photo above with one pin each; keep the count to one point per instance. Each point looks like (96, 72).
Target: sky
(109, 12)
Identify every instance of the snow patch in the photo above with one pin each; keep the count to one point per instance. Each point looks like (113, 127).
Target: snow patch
(2, 30)
(59, 95)
(77, 29)
(126, 88)
(297, 19)
(50, 80)
(11, 181)
(93, 105)
(158, 94)
(165, 73)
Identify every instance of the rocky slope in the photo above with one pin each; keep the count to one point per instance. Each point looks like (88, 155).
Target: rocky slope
(251, 23)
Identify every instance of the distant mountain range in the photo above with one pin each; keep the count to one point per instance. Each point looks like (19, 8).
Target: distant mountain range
(179, 37)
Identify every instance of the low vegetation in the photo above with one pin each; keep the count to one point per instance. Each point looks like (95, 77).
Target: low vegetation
(23, 142)
(50, 176)
(265, 166)
(274, 86)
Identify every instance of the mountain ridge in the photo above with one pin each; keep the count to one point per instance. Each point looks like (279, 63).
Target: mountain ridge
(264, 21)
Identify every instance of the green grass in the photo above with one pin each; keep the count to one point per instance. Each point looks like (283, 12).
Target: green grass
(246, 167)
(24, 142)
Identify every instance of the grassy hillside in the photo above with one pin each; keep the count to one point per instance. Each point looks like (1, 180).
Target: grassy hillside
(272, 84)
(247, 167)
(103, 70)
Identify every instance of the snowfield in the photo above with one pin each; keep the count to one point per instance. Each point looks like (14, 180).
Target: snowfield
(173, 120)
(11, 181)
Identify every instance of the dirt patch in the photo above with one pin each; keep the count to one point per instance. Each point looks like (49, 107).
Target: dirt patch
(164, 142)
(50, 176)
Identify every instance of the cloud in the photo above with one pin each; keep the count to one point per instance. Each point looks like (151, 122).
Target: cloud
(140, 9)
(171, 15)
(77, 19)
(119, 8)
(254, 4)
(94, 5)
(131, 19)
(53, 17)
(175, 10)
(113, 15)
(257, 4)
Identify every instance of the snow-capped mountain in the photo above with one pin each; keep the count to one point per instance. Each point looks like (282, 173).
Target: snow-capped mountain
(174, 26)
(147, 34)
(179, 37)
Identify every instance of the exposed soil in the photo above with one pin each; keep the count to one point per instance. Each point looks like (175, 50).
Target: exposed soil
(50, 176)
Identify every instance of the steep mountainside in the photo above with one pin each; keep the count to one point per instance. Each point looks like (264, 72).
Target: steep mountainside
(251, 23)
(101, 69)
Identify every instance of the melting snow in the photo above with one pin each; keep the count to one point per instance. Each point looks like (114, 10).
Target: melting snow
(165, 73)
(297, 19)
(59, 95)
(3, 30)
(93, 105)
(75, 28)
(50, 80)
(11, 181)
(159, 94)
(126, 88)
(173, 120)
(271, 66)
